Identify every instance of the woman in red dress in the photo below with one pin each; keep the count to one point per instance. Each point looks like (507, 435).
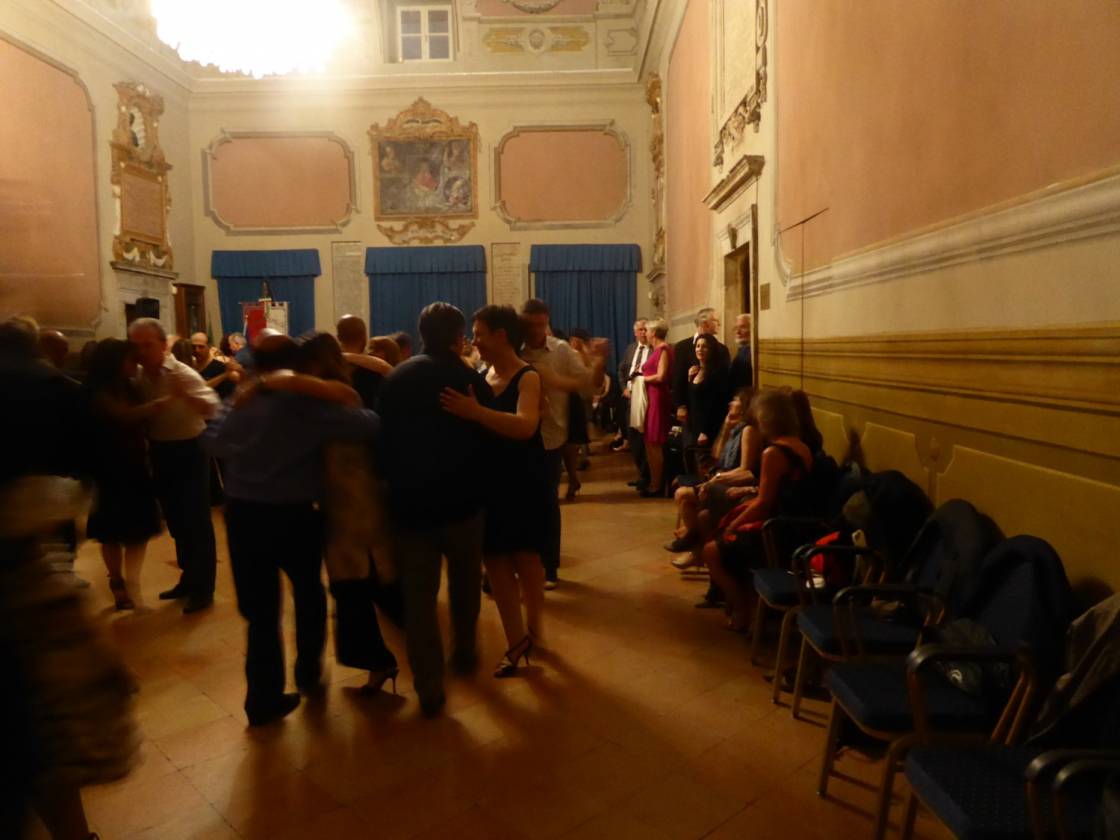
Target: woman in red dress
(656, 372)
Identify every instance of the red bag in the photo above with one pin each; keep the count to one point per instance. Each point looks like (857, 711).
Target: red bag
(835, 571)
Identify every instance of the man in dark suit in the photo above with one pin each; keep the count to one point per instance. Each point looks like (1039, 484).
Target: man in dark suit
(630, 366)
(684, 358)
(742, 370)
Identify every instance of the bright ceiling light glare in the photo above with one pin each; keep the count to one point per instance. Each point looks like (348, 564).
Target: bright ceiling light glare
(258, 37)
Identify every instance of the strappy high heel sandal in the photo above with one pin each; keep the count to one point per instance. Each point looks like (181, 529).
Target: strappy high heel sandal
(508, 666)
(377, 680)
(121, 598)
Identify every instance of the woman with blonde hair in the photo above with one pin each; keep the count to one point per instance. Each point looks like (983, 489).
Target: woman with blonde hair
(656, 372)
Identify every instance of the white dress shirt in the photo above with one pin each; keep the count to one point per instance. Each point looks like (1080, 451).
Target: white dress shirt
(559, 357)
(178, 421)
(641, 353)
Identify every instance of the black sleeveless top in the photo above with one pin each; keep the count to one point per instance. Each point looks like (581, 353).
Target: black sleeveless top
(517, 501)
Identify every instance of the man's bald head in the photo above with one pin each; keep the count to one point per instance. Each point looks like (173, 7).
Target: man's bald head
(275, 352)
(200, 349)
(267, 332)
(352, 334)
(54, 347)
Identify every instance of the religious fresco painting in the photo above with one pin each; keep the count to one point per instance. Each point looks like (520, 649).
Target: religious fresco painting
(425, 178)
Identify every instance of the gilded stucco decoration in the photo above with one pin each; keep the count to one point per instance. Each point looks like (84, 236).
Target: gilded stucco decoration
(749, 109)
(425, 232)
(139, 179)
(536, 39)
(533, 7)
(425, 165)
(657, 157)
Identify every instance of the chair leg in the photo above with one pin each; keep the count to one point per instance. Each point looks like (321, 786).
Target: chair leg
(886, 788)
(835, 721)
(780, 657)
(800, 679)
(911, 816)
(756, 628)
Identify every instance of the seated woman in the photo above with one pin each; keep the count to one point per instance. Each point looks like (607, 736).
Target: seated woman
(785, 462)
(736, 450)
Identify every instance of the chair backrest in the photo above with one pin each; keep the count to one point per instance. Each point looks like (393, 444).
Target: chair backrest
(1023, 598)
(948, 551)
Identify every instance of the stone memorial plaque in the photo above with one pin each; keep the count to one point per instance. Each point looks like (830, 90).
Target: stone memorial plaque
(142, 205)
(508, 276)
(351, 288)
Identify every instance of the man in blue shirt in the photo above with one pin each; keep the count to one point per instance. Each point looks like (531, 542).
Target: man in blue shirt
(272, 448)
(434, 463)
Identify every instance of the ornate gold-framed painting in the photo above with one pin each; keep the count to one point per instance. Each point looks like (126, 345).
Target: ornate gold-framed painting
(425, 166)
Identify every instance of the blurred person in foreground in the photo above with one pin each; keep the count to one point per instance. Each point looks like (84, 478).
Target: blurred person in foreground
(65, 701)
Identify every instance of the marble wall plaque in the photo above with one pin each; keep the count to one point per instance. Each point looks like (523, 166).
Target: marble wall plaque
(351, 288)
(142, 205)
(508, 275)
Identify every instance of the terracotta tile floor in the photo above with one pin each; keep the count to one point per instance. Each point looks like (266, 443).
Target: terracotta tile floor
(646, 720)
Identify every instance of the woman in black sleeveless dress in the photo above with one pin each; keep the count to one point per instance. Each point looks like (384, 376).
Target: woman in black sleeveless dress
(517, 498)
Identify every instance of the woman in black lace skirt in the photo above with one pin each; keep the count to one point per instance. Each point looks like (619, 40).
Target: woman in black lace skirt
(517, 499)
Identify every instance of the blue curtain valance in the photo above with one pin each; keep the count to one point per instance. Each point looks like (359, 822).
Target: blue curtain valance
(435, 259)
(266, 264)
(585, 258)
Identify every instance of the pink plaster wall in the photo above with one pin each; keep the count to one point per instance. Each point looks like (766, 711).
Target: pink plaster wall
(263, 182)
(496, 8)
(897, 116)
(688, 152)
(49, 262)
(559, 176)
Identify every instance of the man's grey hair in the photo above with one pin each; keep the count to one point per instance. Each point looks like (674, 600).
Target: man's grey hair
(640, 321)
(148, 323)
(704, 314)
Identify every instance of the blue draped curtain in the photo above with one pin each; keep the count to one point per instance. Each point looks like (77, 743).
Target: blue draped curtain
(402, 281)
(290, 276)
(590, 286)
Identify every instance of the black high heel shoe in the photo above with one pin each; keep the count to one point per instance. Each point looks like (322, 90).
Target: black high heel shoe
(377, 680)
(573, 488)
(508, 666)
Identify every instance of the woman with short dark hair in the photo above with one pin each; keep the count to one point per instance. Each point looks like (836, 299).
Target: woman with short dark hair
(517, 503)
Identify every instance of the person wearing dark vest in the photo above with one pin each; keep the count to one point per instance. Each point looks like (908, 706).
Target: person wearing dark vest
(432, 462)
(366, 372)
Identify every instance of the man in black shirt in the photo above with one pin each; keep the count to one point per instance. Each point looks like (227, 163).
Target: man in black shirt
(432, 461)
(352, 335)
(216, 372)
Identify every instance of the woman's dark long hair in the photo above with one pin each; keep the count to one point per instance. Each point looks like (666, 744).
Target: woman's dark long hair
(810, 434)
(321, 355)
(106, 368)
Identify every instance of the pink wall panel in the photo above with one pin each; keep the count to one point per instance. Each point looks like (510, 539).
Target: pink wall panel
(280, 182)
(49, 260)
(688, 150)
(560, 176)
(897, 116)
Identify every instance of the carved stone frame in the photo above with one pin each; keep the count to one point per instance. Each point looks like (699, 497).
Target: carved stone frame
(749, 109)
(141, 155)
(421, 121)
(608, 128)
(228, 136)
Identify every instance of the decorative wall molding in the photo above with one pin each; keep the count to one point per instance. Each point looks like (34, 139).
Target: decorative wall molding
(426, 231)
(536, 39)
(622, 41)
(1056, 215)
(1053, 386)
(749, 109)
(229, 136)
(657, 191)
(139, 178)
(608, 128)
(533, 7)
(745, 172)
